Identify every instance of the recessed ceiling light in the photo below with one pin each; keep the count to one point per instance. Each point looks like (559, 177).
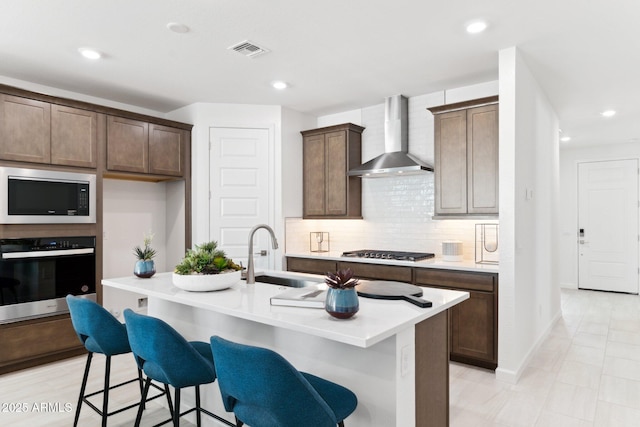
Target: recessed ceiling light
(90, 53)
(279, 85)
(565, 138)
(608, 113)
(476, 27)
(176, 27)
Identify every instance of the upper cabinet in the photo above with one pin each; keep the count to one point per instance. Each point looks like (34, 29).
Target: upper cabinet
(74, 136)
(466, 158)
(142, 147)
(40, 132)
(328, 154)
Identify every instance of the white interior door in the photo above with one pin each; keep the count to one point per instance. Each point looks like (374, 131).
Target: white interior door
(608, 226)
(241, 192)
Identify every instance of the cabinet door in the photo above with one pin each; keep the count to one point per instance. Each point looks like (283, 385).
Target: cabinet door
(166, 148)
(313, 266)
(127, 145)
(472, 330)
(363, 270)
(336, 173)
(25, 129)
(314, 175)
(26, 340)
(451, 162)
(482, 158)
(73, 137)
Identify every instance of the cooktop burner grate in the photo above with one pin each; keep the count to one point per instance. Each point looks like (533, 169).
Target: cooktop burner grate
(396, 255)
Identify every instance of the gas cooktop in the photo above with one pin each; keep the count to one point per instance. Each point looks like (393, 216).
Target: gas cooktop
(396, 255)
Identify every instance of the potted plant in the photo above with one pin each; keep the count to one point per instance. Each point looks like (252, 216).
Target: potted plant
(342, 298)
(145, 266)
(206, 268)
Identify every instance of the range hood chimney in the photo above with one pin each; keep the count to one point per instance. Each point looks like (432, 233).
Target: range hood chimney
(396, 159)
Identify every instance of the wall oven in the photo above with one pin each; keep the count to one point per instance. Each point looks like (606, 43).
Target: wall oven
(36, 274)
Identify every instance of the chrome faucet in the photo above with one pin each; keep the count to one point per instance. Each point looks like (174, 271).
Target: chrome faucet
(251, 275)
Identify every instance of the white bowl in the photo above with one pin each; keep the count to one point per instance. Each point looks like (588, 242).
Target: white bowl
(205, 282)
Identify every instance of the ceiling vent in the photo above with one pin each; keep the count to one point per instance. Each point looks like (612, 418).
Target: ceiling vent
(248, 49)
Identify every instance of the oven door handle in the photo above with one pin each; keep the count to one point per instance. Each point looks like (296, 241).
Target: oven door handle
(45, 254)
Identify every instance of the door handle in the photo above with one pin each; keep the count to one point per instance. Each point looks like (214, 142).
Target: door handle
(263, 252)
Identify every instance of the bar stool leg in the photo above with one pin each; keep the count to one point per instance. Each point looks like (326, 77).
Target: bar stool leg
(105, 401)
(198, 416)
(144, 397)
(176, 412)
(141, 384)
(169, 402)
(83, 387)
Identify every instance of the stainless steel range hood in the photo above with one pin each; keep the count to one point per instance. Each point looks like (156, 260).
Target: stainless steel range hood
(396, 159)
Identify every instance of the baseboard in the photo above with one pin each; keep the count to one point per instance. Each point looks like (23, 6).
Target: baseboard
(567, 285)
(512, 376)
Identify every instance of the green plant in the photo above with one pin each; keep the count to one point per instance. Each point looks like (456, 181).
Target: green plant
(147, 252)
(206, 259)
(341, 279)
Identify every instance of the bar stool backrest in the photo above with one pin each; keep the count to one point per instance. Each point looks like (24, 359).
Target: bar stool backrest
(163, 354)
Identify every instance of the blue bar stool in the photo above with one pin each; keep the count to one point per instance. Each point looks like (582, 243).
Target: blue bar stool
(265, 390)
(102, 333)
(165, 356)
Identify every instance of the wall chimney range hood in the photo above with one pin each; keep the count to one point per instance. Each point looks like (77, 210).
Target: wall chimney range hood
(396, 159)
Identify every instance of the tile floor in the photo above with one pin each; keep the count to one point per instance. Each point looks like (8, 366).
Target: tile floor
(586, 373)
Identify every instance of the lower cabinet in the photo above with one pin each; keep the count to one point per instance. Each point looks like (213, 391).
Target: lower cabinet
(473, 324)
(34, 342)
(312, 266)
(377, 271)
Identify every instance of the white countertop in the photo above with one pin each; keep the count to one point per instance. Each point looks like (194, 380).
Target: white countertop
(375, 321)
(437, 262)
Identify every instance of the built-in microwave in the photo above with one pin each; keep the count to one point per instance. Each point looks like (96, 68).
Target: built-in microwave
(34, 196)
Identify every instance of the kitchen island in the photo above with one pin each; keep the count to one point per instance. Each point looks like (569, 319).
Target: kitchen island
(392, 354)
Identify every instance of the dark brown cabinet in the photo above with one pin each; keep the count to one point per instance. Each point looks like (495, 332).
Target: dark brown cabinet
(377, 271)
(37, 341)
(474, 322)
(466, 158)
(146, 148)
(25, 129)
(313, 266)
(74, 137)
(40, 132)
(328, 154)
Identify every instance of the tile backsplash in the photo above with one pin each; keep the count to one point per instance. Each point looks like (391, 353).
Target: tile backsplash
(397, 214)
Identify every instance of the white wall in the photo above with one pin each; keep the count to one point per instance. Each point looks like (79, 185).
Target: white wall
(287, 141)
(397, 211)
(529, 300)
(568, 228)
(131, 209)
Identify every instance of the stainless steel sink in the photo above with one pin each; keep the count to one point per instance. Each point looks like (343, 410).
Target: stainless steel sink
(285, 281)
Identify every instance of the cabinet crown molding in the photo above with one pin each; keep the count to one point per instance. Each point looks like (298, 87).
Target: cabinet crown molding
(464, 105)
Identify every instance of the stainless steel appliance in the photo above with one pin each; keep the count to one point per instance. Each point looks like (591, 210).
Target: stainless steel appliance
(396, 159)
(396, 255)
(34, 196)
(36, 274)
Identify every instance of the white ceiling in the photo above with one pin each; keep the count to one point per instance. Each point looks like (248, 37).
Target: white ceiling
(336, 55)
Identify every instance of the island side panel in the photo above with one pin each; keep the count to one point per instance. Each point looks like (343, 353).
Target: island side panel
(371, 373)
(432, 371)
